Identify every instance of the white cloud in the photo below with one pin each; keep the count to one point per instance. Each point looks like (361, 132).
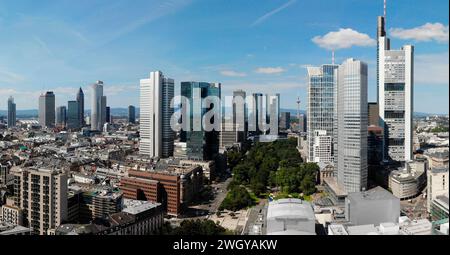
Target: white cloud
(270, 70)
(231, 73)
(425, 33)
(10, 77)
(273, 12)
(343, 39)
(432, 69)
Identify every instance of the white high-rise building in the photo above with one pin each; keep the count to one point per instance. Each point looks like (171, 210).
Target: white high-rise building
(98, 106)
(157, 136)
(321, 108)
(395, 97)
(352, 123)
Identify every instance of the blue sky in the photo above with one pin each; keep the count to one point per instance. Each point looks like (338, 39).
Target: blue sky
(256, 45)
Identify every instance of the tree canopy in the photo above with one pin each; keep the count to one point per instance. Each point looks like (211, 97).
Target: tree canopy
(237, 198)
(275, 164)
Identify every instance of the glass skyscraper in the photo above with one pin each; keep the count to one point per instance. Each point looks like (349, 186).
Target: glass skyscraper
(73, 115)
(11, 113)
(200, 144)
(80, 99)
(131, 114)
(61, 116)
(321, 106)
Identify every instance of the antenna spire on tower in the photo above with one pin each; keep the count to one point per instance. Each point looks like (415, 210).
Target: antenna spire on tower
(385, 9)
(332, 57)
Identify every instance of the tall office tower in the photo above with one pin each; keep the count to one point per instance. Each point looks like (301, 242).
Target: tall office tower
(200, 144)
(47, 110)
(131, 114)
(395, 97)
(42, 194)
(229, 135)
(73, 115)
(242, 135)
(80, 100)
(383, 43)
(321, 104)
(272, 111)
(257, 114)
(374, 114)
(61, 116)
(302, 123)
(352, 125)
(108, 115)
(374, 147)
(98, 106)
(11, 112)
(285, 120)
(157, 136)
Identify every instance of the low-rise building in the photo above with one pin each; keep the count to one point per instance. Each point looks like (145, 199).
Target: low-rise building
(11, 214)
(290, 217)
(173, 187)
(408, 182)
(374, 206)
(439, 208)
(137, 218)
(437, 184)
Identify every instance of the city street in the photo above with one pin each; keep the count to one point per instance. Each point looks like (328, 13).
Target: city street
(256, 217)
(415, 208)
(204, 211)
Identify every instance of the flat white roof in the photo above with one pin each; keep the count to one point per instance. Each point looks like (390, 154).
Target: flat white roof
(135, 206)
(290, 208)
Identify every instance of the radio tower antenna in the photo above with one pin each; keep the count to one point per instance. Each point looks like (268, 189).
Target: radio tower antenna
(385, 9)
(298, 108)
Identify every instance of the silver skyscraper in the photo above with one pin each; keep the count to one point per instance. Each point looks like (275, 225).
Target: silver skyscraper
(352, 122)
(321, 112)
(395, 97)
(98, 106)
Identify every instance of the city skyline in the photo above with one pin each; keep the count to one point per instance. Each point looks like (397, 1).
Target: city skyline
(204, 145)
(261, 52)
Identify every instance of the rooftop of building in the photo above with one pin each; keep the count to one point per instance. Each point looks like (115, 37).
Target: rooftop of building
(290, 208)
(135, 206)
(96, 190)
(377, 193)
(8, 229)
(335, 186)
